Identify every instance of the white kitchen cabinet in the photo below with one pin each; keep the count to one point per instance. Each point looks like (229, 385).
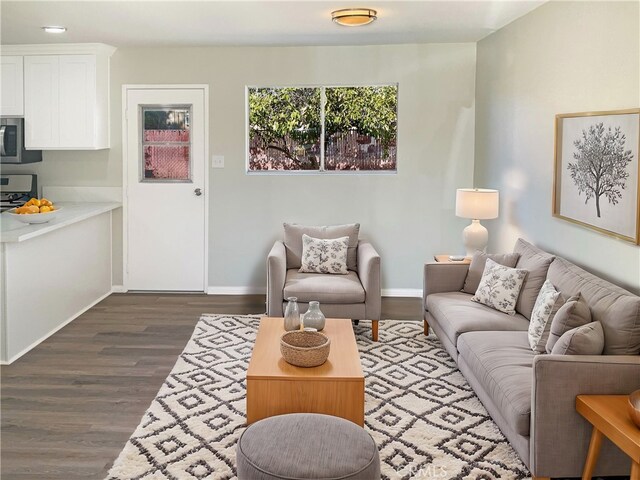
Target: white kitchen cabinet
(66, 103)
(11, 83)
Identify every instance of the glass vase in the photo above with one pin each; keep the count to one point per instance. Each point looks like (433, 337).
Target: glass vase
(314, 318)
(292, 315)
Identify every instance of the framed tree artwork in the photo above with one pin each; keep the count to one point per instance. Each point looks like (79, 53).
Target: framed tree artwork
(596, 172)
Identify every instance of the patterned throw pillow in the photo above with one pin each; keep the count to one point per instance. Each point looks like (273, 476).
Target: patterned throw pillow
(499, 287)
(547, 304)
(324, 256)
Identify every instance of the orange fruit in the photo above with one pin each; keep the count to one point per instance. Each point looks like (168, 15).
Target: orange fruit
(32, 209)
(45, 209)
(44, 201)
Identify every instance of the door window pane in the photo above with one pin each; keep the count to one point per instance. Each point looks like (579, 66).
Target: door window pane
(166, 144)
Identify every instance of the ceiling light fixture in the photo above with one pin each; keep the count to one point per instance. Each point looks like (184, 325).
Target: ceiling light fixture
(54, 29)
(354, 17)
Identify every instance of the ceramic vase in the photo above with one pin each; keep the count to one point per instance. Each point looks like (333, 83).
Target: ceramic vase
(314, 318)
(292, 315)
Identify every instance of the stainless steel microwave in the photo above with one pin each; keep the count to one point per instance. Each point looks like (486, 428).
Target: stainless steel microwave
(12, 143)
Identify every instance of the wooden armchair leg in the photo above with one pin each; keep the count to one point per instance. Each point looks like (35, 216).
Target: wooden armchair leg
(426, 327)
(374, 330)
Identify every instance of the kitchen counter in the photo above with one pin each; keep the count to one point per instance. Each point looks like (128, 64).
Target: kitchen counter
(52, 272)
(12, 230)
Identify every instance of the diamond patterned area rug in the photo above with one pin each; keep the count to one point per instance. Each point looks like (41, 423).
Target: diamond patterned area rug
(424, 417)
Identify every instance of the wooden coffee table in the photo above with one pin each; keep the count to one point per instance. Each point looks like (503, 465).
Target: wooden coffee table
(609, 417)
(275, 387)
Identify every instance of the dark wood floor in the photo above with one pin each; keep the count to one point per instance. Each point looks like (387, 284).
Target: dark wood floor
(69, 406)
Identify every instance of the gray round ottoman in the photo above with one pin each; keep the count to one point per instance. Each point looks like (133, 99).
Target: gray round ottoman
(306, 446)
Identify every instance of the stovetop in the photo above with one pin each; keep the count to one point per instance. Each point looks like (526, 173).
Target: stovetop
(16, 190)
(13, 200)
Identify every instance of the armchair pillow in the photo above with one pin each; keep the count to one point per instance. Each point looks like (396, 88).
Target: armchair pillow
(574, 313)
(536, 262)
(478, 262)
(499, 287)
(547, 304)
(585, 340)
(324, 256)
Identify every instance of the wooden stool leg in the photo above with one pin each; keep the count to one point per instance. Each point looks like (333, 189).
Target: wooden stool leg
(426, 327)
(592, 454)
(374, 330)
(635, 470)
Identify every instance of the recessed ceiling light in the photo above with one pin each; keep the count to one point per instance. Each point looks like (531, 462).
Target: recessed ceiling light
(354, 17)
(54, 29)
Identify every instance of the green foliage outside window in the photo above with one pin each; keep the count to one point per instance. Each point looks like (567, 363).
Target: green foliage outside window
(360, 128)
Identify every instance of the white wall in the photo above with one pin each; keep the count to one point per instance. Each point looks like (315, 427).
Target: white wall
(408, 216)
(563, 57)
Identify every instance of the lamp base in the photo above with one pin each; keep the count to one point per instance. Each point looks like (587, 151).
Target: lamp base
(475, 237)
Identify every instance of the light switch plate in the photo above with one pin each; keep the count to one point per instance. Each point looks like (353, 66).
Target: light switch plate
(217, 161)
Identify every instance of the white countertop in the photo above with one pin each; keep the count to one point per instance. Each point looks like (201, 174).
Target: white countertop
(12, 230)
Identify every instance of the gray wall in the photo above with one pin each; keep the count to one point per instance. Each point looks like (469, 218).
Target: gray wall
(408, 216)
(563, 57)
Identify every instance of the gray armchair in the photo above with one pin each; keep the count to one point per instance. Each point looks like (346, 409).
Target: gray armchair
(355, 295)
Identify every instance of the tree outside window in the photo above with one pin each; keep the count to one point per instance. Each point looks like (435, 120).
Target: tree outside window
(323, 128)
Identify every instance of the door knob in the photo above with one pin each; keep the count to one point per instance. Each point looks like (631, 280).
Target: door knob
(198, 192)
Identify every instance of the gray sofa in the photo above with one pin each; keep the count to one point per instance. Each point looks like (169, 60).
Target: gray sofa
(532, 396)
(356, 295)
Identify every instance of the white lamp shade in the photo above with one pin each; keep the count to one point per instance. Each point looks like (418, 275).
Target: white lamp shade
(477, 203)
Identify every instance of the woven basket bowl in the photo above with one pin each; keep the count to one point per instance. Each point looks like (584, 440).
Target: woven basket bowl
(305, 349)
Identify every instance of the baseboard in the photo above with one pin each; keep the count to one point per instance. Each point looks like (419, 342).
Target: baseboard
(47, 335)
(236, 290)
(402, 292)
(386, 292)
(118, 289)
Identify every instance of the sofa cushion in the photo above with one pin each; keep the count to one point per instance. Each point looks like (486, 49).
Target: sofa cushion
(499, 287)
(293, 241)
(457, 314)
(536, 262)
(572, 314)
(617, 309)
(502, 362)
(585, 340)
(308, 287)
(478, 262)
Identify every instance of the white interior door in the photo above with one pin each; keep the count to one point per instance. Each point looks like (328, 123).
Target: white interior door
(166, 195)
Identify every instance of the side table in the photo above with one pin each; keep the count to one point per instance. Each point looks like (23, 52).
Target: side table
(609, 417)
(445, 259)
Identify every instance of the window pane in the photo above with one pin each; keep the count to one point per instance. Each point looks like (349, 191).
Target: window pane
(361, 128)
(284, 129)
(166, 143)
(166, 162)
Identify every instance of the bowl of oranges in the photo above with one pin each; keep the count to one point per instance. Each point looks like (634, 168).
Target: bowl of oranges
(35, 211)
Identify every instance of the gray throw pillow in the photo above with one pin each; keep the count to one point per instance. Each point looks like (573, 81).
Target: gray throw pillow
(478, 262)
(574, 313)
(536, 262)
(585, 340)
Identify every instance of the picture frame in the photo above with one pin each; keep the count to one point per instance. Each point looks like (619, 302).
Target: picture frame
(596, 180)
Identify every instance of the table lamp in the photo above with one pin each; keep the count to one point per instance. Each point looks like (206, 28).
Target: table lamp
(476, 204)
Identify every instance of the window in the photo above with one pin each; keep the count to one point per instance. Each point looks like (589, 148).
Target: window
(166, 144)
(322, 129)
